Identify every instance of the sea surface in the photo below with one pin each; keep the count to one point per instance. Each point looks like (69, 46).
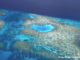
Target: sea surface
(69, 9)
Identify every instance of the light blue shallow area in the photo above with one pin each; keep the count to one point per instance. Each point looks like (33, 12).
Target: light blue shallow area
(23, 37)
(68, 21)
(30, 58)
(42, 28)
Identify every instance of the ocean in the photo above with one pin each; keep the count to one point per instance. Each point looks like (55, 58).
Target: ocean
(69, 9)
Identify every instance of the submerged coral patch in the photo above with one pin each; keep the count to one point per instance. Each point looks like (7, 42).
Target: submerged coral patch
(2, 45)
(1, 23)
(3, 12)
(42, 28)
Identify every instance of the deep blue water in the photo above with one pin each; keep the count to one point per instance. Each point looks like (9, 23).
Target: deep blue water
(69, 9)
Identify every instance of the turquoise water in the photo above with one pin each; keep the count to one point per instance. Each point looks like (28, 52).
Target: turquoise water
(23, 37)
(68, 21)
(42, 28)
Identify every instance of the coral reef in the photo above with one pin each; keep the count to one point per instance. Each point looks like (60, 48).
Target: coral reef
(40, 37)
